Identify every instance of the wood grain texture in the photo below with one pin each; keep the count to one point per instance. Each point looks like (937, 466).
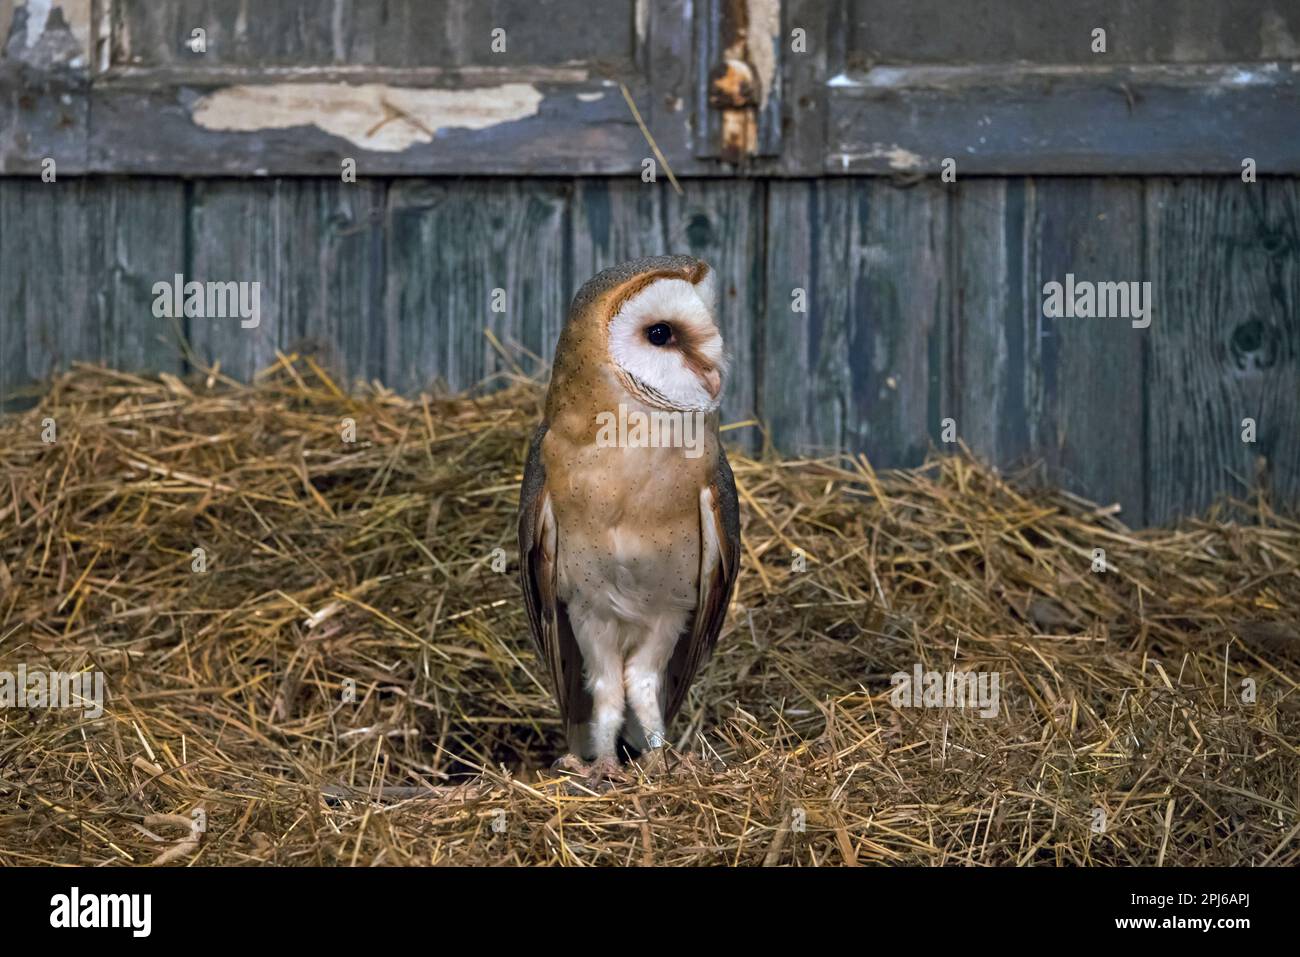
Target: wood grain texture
(398, 33)
(570, 126)
(331, 273)
(49, 308)
(667, 61)
(1225, 258)
(790, 341)
(139, 239)
(290, 88)
(862, 368)
(237, 234)
(1064, 393)
(406, 88)
(803, 76)
(994, 335)
(1087, 414)
(1014, 119)
(924, 302)
(989, 31)
(449, 246)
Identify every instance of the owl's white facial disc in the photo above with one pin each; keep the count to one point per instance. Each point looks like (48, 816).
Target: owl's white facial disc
(683, 370)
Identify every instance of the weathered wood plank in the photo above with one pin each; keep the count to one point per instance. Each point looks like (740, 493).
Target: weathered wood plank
(898, 317)
(668, 61)
(44, 82)
(1014, 119)
(13, 331)
(861, 369)
(790, 340)
(450, 245)
(332, 273)
(48, 304)
(519, 122)
(803, 77)
(403, 88)
(1225, 259)
(318, 249)
(994, 334)
(1086, 421)
(236, 235)
(991, 31)
(139, 240)
(722, 223)
(397, 33)
(614, 220)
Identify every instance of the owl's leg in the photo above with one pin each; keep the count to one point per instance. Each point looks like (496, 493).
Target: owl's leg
(603, 666)
(643, 676)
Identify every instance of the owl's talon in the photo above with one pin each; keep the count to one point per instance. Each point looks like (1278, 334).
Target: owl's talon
(606, 769)
(571, 762)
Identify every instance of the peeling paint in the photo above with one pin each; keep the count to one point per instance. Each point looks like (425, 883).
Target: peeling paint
(48, 33)
(374, 116)
(642, 14)
(898, 157)
(735, 88)
(38, 14)
(764, 34)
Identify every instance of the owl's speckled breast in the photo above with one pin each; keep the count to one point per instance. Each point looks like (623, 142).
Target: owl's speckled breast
(629, 521)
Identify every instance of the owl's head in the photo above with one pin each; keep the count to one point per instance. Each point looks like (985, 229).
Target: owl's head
(664, 344)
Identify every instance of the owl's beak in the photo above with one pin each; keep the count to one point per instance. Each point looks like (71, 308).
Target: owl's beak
(712, 381)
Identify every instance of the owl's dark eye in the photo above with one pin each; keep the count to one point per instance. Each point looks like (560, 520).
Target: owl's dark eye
(660, 334)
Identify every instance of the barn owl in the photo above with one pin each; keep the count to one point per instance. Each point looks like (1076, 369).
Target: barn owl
(629, 530)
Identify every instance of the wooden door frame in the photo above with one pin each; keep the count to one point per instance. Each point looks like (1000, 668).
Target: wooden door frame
(718, 84)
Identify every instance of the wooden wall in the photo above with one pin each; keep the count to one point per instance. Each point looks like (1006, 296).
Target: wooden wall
(924, 302)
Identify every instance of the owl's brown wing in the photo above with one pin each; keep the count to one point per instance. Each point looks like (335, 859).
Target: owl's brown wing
(539, 544)
(719, 566)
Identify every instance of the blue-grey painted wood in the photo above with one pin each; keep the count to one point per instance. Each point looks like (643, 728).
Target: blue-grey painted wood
(1225, 258)
(237, 234)
(1027, 120)
(1030, 389)
(451, 246)
(994, 319)
(139, 241)
(412, 88)
(50, 312)
(1087, 377)
(857, 308)
(924, 303)
(1007, 31)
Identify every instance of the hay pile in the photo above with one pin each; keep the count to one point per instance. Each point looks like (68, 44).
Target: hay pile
(373, 561)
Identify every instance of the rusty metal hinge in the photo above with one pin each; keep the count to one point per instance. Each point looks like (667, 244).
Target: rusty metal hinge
(735, 93)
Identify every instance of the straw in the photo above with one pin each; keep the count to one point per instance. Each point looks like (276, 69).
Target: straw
(350, 681)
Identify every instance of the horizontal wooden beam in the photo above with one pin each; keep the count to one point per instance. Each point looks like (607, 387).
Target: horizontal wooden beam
(62, 97)
(308, 125)
(997, 119)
